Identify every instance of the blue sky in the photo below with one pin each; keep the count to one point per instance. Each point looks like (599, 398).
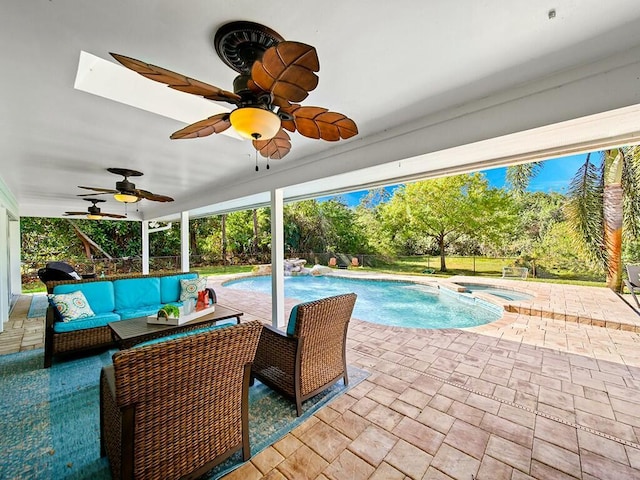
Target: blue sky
(554, 176)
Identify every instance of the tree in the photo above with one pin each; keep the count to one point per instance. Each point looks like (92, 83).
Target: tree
(446, 208)
(604, 207)
(223, 229)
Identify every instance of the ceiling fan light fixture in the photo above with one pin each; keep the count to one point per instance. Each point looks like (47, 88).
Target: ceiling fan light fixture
(92, 216)
(255, 123)
(125, 197)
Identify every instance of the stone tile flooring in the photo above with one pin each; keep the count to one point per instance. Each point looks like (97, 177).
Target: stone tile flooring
(551, 394)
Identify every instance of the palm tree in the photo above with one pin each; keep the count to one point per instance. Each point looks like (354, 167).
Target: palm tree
(603, 205)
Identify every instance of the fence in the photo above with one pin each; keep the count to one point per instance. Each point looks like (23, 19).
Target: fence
(134, 264)
(410, 264)
(418, 263)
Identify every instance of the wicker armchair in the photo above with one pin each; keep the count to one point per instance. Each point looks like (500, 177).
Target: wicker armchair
(312, 357)
(177, 408)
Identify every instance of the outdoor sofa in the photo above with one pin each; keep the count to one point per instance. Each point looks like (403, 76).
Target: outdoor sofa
(177, 406)
(110, 299)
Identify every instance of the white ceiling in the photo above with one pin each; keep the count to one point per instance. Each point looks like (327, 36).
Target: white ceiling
(435, 87)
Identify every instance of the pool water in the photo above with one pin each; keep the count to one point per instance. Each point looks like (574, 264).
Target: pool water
(402, 304)
(498, 292)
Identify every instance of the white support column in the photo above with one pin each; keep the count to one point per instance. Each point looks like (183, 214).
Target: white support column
(277, 259)
(145, 247)
(184, 241)
(4, 267)
(15, 276)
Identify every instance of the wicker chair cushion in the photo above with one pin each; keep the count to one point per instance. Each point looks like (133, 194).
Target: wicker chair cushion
(98, 294)
(71, 306)
(170, 286)
(190, 288)
(291, 324)
(136, 292)
(100, 320)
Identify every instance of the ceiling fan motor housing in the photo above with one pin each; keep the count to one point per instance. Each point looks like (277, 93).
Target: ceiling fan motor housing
(125, 186)
(239, 44)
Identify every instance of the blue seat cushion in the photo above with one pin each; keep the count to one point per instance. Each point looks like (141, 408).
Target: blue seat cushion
(141, 311)
(99, 295)
(291, 324)
(99, 320)
(131, 293)
(188, 333)
(170, 286)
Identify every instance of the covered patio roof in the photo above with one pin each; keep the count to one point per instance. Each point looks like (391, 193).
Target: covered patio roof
(434, 87)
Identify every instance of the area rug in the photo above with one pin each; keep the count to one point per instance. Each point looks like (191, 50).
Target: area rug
(38, 306)
(49, 418)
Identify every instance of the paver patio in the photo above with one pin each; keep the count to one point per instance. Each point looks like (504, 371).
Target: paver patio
(549, 395)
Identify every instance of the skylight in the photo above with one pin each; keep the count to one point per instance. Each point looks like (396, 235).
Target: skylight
(115, 82)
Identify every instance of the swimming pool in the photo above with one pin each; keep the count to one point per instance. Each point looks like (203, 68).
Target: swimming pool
(505, 293)
(402, 304)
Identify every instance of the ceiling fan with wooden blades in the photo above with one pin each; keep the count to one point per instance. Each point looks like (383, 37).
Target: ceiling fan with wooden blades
(274, 76)
(125, 190)
(94, 212)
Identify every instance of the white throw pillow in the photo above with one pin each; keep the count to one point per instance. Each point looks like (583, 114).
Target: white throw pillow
(190, 288)
(71, 306)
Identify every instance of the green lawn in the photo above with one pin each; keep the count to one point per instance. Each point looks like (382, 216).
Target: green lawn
(222, 270)
(478, 266)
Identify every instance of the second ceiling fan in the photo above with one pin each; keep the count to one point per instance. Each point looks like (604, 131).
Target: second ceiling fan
(125, 190)
(274, 75)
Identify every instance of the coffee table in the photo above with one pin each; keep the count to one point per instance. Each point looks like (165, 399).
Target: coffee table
(127, 333)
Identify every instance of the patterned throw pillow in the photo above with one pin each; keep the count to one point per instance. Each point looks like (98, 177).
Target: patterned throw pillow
(190, 288)
(71, 306)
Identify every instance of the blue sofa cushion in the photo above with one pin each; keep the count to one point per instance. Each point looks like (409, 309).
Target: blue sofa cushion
(131, 293)
(99, 320)
(99, 295)
(170, 286)
(140, 311)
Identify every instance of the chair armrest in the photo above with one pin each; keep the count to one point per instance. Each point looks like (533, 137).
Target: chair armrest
(271, 337)
(212, 295)
(110, 379)
(632, 288)
(276, 351)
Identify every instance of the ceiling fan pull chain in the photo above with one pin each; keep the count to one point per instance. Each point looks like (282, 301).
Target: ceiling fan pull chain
(257, 169)
(267, 163)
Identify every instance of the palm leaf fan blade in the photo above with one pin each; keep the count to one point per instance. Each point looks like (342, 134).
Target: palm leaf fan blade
(153, 196)
(318, 122)
(334, 126)
(215, 124)
(347, 128)
(287, 71)
(177, 81)
(96, 189)
(288, 123)
(274, 148)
